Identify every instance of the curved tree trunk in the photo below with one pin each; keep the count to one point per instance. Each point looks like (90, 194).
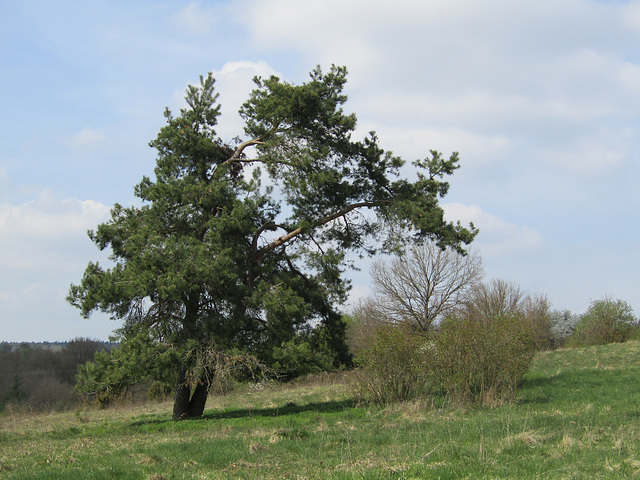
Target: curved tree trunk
(188, 404)
(198, 401)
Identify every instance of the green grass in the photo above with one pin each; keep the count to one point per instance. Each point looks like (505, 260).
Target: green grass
(577, 417)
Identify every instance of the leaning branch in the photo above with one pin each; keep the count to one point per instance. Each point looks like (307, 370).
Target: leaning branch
(323, 221)
(237, 154)
(263, 228)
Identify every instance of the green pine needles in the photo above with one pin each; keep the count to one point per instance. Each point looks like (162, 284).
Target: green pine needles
(241, 247)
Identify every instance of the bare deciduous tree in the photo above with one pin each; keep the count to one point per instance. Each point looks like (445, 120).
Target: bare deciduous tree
(424, 285)
(493, 299)
(500, 298)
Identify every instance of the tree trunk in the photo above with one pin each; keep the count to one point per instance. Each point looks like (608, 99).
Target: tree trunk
(190, 404)
(186, 404)
(181, 402)
(198, 401)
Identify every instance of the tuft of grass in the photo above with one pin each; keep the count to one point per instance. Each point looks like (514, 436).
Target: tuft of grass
(577, 416)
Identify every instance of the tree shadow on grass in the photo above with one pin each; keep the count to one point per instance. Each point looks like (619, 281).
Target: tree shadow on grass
(290, 408)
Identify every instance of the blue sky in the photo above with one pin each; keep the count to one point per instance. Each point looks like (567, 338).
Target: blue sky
(541, 99)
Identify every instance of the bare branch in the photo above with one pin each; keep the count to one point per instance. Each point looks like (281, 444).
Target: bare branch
(323, 221)
(264, 228)
(256, 236)
(424, 285)
(237, 155)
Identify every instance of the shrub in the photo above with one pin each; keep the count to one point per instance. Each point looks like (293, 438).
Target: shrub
(500, 298)
(15, 394)
(362, 324)
(563, 324)
(157, 392)
(393, 367)
(49, 393)
(477, 356)
(605, 321)
(481, 362)
(535, 312)
(468, 361)
(297, 357)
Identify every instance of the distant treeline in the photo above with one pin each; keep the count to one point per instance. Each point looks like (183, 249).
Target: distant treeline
(53, 346)
(42, 375)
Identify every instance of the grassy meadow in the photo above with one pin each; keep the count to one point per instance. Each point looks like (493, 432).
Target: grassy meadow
(577, 417)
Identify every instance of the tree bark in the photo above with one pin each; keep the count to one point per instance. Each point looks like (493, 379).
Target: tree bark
(181, 402)
(198, 401)
(186, 404)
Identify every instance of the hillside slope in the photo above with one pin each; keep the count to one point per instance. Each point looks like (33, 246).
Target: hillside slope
(578, 417)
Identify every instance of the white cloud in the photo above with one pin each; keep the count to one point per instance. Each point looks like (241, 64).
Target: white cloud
(600, 151)
(196, 19)
(49, 218)
(412, 143)
(630, 14)
(86, 139)
(44, 248)
(465, 33)
(18, 296)
(459, 64)
(5, 183)
(497, 237)
(629, 75)
(43, 242)
(38, 311)
(234, 83)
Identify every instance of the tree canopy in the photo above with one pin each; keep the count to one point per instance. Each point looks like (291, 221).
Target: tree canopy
(241, 246)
